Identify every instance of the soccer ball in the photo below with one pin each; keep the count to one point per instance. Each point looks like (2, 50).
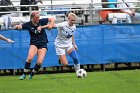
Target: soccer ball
(81, 73)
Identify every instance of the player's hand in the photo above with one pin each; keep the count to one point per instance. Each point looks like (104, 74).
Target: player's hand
(10, 41)
(39, 29)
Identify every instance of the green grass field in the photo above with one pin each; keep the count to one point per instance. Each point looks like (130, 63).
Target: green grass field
(126, 81)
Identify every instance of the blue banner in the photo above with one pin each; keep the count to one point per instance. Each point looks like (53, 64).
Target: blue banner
(97, 44)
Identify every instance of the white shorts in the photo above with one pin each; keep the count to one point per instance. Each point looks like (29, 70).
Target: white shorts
(62, 50)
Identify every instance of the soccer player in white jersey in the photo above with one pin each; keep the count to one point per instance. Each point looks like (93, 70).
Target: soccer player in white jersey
(65, 42)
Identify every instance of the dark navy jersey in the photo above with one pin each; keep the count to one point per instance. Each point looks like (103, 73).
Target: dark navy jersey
(37, 38)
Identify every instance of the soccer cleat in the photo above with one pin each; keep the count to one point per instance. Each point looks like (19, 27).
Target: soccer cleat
(31, 76)
(22, 77)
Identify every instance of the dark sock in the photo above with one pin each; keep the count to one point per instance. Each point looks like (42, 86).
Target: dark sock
(27, 66)
(59, 61)
(35, 69)
(32, 74)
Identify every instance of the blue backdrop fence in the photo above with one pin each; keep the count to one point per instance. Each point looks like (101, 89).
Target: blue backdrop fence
(97, 44)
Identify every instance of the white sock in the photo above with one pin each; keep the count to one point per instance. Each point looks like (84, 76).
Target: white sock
(26, 70)
(76, 67)
(34, 71)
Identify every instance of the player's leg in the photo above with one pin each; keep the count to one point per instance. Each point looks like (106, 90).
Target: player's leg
(31, 54)
(60, 51)
(41, 55)
(63, 60)
(73, 54)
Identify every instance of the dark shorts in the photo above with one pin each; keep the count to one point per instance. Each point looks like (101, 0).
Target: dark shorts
(41, 46)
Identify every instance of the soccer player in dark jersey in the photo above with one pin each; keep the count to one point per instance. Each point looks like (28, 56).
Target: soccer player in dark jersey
(38, 41)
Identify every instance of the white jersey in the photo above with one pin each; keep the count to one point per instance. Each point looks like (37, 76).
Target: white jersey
(65, 33)
(127, 5)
